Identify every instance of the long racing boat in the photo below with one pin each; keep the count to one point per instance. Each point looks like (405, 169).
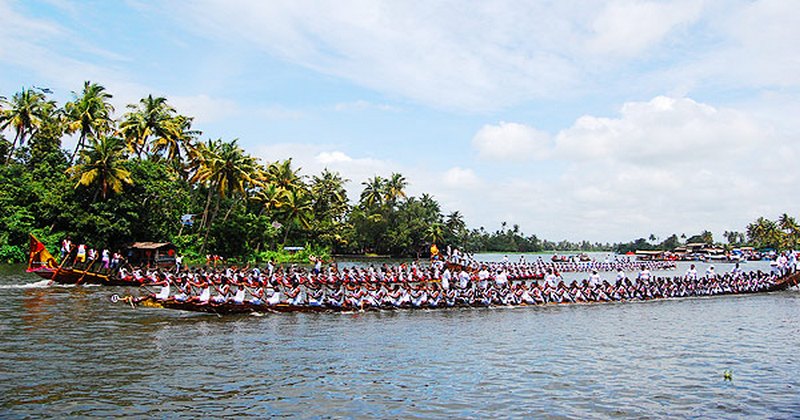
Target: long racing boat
(257, 306)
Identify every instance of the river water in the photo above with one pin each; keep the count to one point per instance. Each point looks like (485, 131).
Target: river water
(69, 352)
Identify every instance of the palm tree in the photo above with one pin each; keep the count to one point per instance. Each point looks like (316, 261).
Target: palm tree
(764, 233)
(395, 188)
(24, 114)
(179, 135)
(89, 114)
(330, 197)
(296, 210)
(102, 163)
(434, 232)
(455, 222)
(791, 231)
(225, 169)
(374, 191)
(283, 176)
(153, 127)
(270, 196)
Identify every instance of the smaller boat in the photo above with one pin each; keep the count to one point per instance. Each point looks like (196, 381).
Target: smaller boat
(42, 263)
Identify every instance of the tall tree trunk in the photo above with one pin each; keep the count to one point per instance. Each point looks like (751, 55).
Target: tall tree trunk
(228, 213)
(81, 140)
(20, 134)
(211, 218)
(286, 234)
(205, 210)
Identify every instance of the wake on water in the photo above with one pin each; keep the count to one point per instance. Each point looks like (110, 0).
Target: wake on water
(42, 284)
(38, 285)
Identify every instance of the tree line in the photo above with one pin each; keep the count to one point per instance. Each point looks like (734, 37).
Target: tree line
(145, 174)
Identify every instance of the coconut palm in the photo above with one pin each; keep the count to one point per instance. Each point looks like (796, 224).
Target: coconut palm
(296, 210)
(152, 127)
(89, 114)
(395, 188)
(330, 197)
(179, 136)
(270, 197)
(225, 169)
(23, 113)
(764, 233)
(434, 232)
(374, 191)
(283, 176)
(790, 230)
(101, 163)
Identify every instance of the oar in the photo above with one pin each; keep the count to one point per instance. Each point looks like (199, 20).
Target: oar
(59, 268)
(85, 271)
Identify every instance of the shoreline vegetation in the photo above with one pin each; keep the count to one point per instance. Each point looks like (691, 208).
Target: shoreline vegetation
(146, 174)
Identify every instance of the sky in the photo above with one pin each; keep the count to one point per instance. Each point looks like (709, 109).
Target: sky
(605, 121)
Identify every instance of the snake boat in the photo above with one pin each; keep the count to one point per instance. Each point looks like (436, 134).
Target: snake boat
(248, 307)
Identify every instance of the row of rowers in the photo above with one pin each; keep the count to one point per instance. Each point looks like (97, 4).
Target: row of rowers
(218, 288)
(540, 265)
(396, 273)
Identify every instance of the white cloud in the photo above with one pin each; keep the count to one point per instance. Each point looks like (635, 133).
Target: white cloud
(493, 55)
(361, 105)
(333, 157)
(204, 108)
(628, 27)
(674, 129)
(511, 142)
(461, 178)
(668, 165)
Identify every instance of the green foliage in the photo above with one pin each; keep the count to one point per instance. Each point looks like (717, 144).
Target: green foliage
(13, 253)
(300, 257)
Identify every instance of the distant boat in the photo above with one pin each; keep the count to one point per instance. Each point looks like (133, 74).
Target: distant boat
(44, 265)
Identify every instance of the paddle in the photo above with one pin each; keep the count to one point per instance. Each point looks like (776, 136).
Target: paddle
(66, 257)
(85, 271)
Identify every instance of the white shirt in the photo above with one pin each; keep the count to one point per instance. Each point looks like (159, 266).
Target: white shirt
(501, 278)
(239, 296)
(163, 293)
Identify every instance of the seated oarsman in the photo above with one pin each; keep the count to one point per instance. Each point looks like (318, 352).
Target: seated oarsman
(204, 285)
(180, 283)
(334, 297)
(295, 295)
(576, 292)
(238, 297)
(257, 294)
(434, 296)
(524, 296)
(272, 294)
(223, 290)
(450, 297)
(316, 296)
(507, 297)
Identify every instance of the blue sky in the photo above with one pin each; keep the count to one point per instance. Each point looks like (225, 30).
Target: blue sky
(604, 121)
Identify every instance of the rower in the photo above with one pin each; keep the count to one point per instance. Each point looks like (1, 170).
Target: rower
(238, 298)
(162, 294)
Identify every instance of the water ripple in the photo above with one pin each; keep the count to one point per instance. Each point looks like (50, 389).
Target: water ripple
(67, 352)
